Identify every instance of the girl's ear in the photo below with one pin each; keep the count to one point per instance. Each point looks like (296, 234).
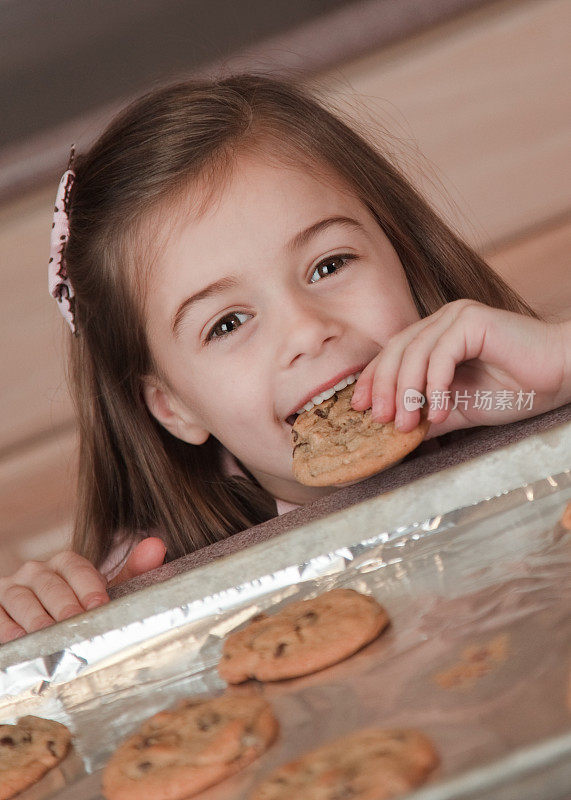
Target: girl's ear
(168, 411)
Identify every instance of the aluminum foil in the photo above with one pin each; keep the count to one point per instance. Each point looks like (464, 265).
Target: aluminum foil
(478, 656)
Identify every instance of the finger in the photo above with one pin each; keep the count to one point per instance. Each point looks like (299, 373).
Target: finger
(363, 392)
(22, 605)
(384, 390)
(88, 585)
(9, 629)
(361, 398)
(458, 344)
(413, 367)
(382, 373)
(52, 591)
(412, 377)
(147, 555)
(385, 385)
(383, 407)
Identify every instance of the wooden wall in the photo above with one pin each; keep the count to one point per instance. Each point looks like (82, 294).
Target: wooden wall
(482, 97)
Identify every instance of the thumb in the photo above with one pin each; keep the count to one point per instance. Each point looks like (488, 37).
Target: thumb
(147, 555)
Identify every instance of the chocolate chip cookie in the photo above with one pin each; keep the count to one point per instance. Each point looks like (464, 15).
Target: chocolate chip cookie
(333, 443)
(303, 637)
(28, 750)
(177, 753)
(371, 764)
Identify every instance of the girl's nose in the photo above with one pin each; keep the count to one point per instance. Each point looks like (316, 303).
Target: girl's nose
(306, 329)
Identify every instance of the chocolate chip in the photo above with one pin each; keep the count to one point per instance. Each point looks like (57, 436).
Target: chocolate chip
(146, 741)
(301, 444)
(50, 744)
(145, 766)
(479, 655)
(343, 793)
(7, 741)
(309, 618)
(258, 617)
(27, 738)
(205, 722)
(295, 435)
(322, 412)
(280, 649)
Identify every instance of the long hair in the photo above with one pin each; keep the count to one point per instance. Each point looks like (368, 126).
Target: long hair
(133, 475)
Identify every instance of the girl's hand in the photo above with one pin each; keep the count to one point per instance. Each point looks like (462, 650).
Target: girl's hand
(43, 592)
(147, 555)
(470, 361)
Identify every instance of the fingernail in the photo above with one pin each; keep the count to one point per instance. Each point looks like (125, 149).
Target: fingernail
(357, 395)
(93, 602)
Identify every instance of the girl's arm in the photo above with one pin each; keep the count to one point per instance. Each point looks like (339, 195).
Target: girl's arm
(475, 364)
(43, 592)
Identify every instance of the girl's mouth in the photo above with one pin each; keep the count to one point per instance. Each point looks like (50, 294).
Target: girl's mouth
(325, 395)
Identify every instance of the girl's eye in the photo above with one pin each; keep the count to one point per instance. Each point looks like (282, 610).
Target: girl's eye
(225, 326)
(331, 265)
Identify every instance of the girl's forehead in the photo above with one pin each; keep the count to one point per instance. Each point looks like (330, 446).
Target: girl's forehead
(256, 186)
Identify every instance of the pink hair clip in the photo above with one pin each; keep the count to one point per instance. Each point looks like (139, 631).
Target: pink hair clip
(59, 284)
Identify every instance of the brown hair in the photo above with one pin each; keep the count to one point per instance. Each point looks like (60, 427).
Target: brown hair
(133, 475)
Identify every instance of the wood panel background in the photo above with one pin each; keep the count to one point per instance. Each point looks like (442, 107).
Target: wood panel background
(482, 98)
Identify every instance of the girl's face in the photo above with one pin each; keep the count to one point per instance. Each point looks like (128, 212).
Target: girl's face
(285, 284)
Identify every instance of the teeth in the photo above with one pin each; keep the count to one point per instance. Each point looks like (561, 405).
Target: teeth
(325, 395)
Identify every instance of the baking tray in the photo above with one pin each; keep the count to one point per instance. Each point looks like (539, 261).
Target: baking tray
(475, 572)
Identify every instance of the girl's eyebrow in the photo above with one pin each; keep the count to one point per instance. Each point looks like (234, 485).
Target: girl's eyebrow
(303, 237)
(213, 289)
(230, 281)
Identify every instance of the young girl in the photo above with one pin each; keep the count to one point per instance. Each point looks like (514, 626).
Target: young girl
(229, 250)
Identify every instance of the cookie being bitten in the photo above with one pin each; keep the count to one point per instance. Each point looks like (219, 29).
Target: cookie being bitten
(303, 637)
(333, 443)
(371, 764)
